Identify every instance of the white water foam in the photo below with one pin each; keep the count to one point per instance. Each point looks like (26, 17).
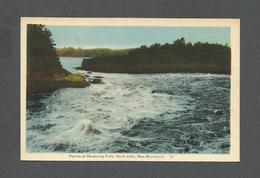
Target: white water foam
(98, 118)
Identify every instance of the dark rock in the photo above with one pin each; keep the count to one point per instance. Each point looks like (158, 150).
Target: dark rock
(98, 77)
(78, 68)
(96, 81)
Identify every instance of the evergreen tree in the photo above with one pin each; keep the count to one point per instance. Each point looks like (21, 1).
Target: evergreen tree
(42, 58)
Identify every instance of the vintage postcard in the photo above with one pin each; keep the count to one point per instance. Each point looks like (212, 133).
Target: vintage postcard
(130, 89)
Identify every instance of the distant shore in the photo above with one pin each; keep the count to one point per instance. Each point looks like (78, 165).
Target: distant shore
(179, 57)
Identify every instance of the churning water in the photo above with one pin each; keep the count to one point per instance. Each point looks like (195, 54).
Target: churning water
(133, 113)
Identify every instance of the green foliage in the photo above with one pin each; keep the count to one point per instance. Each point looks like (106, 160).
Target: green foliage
(42, 59)
(156, 58)
(180, 42)
(44, 71)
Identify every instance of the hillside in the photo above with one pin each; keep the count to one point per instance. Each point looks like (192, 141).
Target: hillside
(44, 71)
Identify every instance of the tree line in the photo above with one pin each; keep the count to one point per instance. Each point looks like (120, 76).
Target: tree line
(178, 56)
(95, 52)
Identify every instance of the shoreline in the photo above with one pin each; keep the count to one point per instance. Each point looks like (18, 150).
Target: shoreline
(48, 85)
(159, 72)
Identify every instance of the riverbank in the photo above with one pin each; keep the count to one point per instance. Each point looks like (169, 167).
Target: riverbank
(145, 68)
(50, 84)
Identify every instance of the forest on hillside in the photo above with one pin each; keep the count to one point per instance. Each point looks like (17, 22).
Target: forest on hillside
(44, 70)
(42, 59)
(178, 57)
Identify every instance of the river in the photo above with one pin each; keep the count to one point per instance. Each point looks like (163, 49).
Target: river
(132, 113)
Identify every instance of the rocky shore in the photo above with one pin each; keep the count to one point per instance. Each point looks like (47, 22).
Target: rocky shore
(50, 84)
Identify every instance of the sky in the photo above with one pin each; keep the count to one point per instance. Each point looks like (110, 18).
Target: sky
(133, 36)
